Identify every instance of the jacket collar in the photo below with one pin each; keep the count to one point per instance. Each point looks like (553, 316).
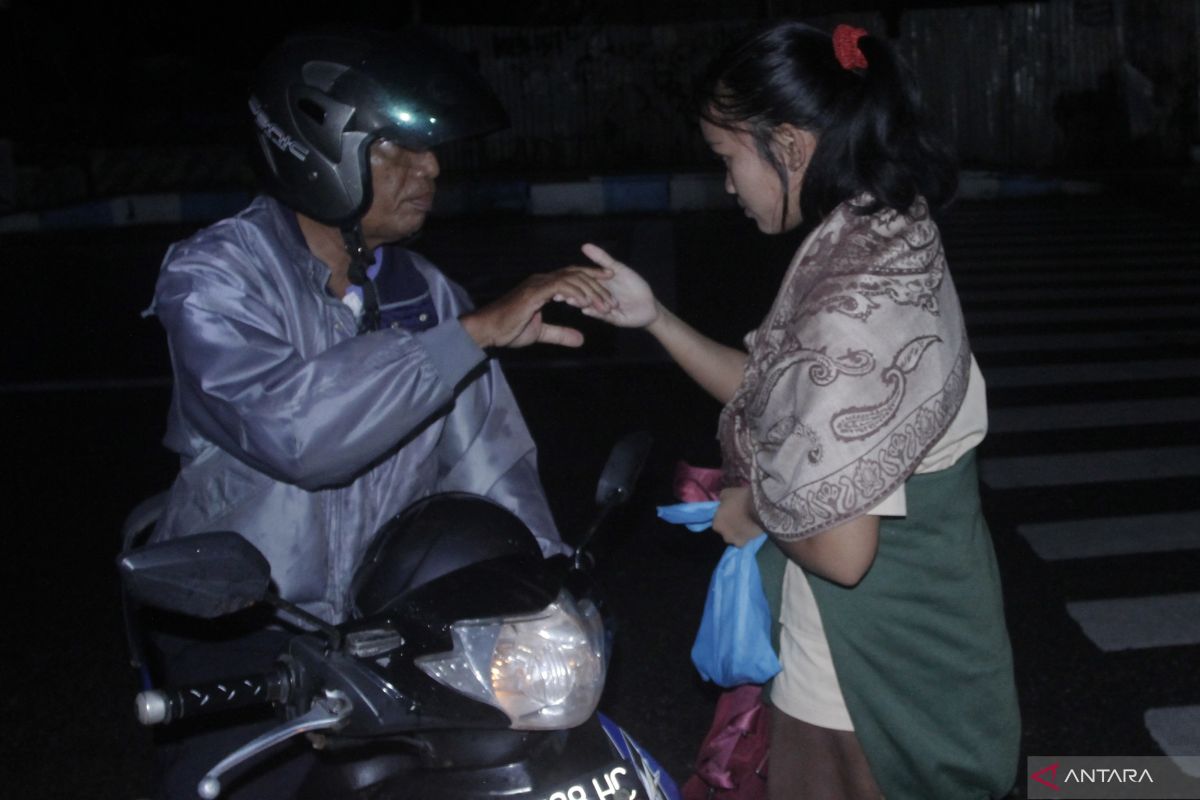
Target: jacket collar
(287, 229)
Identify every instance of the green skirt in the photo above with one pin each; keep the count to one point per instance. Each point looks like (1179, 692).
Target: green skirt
(920, 647)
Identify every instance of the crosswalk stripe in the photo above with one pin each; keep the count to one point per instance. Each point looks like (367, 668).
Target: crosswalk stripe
(1042, 282)
(1098, 372)
(1074, 469)
(1093, 415)
(1069, 294)
(999, 343)
(1175, 268)
(1053, 315)
(1137, 623)
(1078, 244)
(1113, 536)
(1177, 732)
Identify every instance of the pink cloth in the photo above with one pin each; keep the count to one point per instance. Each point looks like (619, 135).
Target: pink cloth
(697, 484)
(732, 762)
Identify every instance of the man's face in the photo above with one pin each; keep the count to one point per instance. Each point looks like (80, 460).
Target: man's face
(403, 183)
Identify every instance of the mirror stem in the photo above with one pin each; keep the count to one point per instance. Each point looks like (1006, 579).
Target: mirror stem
(610, 503)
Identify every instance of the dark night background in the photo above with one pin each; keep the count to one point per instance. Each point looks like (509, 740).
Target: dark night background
(106, 99)
(1079, 118)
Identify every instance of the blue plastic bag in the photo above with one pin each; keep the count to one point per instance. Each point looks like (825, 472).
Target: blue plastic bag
(733, 644)
(696, 516)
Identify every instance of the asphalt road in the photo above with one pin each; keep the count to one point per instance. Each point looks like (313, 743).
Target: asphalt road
(84, 397)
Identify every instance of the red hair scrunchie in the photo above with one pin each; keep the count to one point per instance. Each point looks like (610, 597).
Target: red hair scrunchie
(845, 47)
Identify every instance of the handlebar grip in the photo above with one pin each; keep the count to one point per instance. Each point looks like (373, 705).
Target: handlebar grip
(160, 706)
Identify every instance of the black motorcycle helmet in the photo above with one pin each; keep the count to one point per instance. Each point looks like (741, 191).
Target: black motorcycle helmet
(319, 100)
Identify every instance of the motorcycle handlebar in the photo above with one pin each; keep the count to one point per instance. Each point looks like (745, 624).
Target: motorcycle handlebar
(160, 706)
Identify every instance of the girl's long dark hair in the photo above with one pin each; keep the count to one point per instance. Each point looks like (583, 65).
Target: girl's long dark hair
(871, 134)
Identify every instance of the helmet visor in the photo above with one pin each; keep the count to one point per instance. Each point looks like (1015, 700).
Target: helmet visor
(419, 93)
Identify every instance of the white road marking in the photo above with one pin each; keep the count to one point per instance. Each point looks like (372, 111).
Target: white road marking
(1099, 372)
(1137, 623)
(1077, 469)
(1069, 294)
(1177, 731)
(1093, 415)
(1076, 341)
(1113, 536)
(1085, 314)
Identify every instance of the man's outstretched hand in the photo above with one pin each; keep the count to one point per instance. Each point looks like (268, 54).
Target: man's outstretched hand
(515, 319)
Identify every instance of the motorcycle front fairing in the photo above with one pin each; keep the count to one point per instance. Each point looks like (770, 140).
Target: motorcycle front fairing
(457, 747)
(375, 667)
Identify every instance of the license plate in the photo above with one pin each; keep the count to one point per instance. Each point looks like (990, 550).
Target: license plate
(617, 781)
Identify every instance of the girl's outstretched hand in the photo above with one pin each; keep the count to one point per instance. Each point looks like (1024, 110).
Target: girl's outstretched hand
(632, 303)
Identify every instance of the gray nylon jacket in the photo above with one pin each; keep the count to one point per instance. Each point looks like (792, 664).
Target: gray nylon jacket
(306, 438)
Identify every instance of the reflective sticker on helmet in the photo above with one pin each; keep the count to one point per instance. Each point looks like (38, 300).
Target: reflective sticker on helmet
(274, 133)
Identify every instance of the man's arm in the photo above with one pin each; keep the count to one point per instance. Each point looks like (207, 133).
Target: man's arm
(315, 421)
(485, 447)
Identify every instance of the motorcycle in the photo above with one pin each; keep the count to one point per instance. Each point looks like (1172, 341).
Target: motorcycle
(471, 668)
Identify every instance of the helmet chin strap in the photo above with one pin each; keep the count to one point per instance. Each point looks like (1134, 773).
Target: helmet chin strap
(360, 260)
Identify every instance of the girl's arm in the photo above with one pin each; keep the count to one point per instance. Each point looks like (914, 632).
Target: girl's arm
(842, 554)
(716, 367)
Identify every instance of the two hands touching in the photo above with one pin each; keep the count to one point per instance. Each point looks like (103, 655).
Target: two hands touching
(634, 304)
(611, 292)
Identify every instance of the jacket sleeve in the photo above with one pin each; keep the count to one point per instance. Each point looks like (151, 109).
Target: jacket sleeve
(313, 421)
(486, 447)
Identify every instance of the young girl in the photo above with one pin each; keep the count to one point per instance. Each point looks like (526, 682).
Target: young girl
(849, 428)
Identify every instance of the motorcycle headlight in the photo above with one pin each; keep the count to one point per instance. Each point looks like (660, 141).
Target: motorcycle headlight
(544, 670)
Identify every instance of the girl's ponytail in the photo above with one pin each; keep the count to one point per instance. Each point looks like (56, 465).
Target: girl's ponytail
(894, 149)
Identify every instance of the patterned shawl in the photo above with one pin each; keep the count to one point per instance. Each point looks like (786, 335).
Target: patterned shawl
(855, 373)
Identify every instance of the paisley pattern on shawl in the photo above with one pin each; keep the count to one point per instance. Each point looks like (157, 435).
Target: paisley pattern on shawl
(857, 370)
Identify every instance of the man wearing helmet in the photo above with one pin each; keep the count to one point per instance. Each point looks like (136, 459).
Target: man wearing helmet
(325, 376)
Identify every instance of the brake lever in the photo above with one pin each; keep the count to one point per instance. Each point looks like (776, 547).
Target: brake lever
(327, 713)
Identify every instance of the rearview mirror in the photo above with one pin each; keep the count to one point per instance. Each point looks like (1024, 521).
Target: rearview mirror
(207, 575)
(620, 473)
(623, 467)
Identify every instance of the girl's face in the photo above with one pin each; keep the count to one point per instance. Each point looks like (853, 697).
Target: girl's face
(754, 180)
